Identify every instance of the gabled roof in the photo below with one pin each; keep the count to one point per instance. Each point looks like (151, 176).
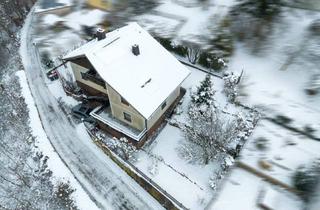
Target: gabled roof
(146, 80)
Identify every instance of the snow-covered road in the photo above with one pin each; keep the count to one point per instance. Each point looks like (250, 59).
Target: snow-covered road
(102, 179)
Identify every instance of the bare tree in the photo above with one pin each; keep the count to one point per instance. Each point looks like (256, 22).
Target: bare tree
(209, 132)
(193, 52)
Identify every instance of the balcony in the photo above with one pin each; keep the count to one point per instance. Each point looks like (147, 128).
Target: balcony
(93, 76)
(104, 115)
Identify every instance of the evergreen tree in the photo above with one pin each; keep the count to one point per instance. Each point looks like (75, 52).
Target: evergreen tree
(204, 96)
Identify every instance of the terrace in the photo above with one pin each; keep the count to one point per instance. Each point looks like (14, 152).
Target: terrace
(104, 115)
(92, 76)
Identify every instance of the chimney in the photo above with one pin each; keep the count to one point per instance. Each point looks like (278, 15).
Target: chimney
(135, 50)
(101, 34)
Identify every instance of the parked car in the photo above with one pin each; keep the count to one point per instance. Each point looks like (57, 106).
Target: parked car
(52, 75)
(82, 112)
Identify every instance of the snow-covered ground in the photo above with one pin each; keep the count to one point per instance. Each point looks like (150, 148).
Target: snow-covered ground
(275, 82)
(186, 182)
(284, 150)
(55, 164)
(242, 190)
(76, 19)
(58, 92)
(57, 34)
(196, 21)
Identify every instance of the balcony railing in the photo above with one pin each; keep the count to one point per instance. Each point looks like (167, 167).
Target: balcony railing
(93, 77)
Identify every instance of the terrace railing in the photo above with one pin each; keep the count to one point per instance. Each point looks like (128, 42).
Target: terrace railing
(93, 78)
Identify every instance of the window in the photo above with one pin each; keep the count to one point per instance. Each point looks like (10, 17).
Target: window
(127, 116)
(164, 105)
(124, 101)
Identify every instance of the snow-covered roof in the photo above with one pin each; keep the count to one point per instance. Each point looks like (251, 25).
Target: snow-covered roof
(146, 80)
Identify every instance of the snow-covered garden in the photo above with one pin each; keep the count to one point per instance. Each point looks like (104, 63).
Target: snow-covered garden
(180, 160)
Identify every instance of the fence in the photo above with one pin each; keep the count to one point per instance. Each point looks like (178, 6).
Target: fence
(164, 198)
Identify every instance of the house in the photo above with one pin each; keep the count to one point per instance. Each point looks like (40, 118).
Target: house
(100, 4)
(140, 78)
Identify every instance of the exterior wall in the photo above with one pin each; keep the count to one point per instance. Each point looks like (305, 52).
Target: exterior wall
(100, 4)
(151, 131)
(159, 112)
(117, 108)
(77, 69)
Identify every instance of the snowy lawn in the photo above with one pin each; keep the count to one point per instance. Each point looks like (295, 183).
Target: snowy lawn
(242, 189)
(198, 19)
(276, 81)
(188, 183)
(284, 150)
(159, 24)
(161, 161)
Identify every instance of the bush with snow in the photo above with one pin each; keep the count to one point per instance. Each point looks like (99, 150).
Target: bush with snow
(231, 86)
(226, 162)
(211, 132)
(306, 180)
(121, 147)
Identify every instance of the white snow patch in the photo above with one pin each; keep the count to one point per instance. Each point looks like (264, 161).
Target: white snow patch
(59, 169)
(242, 190)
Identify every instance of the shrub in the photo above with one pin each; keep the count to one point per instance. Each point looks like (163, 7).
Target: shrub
(172, 47)
(211, 61)
(261, 143)
(305, 180)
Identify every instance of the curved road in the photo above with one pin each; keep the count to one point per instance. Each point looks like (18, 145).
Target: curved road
(102, 179)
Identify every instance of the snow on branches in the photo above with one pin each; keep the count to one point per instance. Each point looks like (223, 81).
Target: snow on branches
(210, 132)
(231, 86)
(206, 130)
(204, 94)
(121, 147)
